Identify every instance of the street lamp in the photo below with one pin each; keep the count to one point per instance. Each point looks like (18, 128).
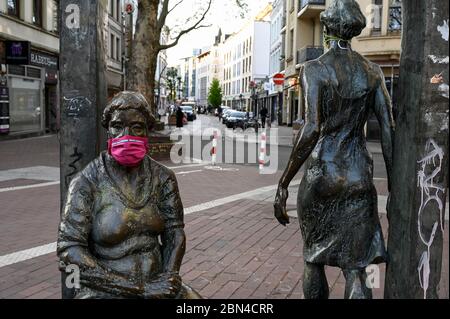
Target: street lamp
(254, 96)
(179, 87)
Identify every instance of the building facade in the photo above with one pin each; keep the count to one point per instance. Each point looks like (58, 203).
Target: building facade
(186, 86)
(277, 58)
(246, 63)
(29, 54)
(161, 90)
(114, 34)
(204, 65)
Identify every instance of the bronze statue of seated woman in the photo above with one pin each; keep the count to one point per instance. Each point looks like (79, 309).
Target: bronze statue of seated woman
(122, 223)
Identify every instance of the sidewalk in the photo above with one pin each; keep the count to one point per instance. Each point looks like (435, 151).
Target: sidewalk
(235, 247)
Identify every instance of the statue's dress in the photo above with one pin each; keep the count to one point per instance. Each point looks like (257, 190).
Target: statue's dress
(118, 227)
(337, 201)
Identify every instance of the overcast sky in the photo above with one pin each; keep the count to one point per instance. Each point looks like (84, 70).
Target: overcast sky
(223, 14)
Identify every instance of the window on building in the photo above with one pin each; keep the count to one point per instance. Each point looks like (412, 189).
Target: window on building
(111, 7)
(37, 12)
(377, 16)
(291, 44)
(14, 8)
(118, 10)
(118, 49)
(395, 16)
(55, 18)
(111, 46)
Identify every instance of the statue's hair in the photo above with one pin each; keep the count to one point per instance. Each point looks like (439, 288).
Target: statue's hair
(344, 19)
(128, 100)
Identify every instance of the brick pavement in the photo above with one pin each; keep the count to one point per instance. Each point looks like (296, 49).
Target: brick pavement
(242, 254)
(236, 250)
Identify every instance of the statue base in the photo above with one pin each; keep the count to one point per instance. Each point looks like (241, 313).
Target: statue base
(160, 145)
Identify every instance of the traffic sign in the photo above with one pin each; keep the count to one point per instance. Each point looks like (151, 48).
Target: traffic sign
(129, 8)
(278, 79)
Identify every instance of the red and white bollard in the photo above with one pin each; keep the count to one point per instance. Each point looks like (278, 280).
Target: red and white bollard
(214, 149)
(262, 151)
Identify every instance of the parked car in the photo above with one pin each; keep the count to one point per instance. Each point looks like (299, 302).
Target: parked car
(249, 122)
(189, 111)
(224, 108)
(235, 118)
(225, 115)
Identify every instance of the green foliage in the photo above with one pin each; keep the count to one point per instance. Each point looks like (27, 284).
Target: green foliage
(215, 94)
(172, 74)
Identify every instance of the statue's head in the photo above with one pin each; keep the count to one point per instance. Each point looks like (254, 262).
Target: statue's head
(128, 113)
(343, 19)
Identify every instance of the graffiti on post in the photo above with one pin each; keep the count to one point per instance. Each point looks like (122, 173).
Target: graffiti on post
(76, 106)
(431, 192)
(76, 156)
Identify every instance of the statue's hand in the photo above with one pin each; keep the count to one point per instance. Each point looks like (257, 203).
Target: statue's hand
(165, 286)
(280, 206)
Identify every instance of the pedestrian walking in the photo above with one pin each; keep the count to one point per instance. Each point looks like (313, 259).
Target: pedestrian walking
(180, 116)
(263, 113)
(220, 113)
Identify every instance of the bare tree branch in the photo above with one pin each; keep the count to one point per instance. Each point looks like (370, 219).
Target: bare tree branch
(175, 42)
(196, 26)
(163, 15)
(176, 5)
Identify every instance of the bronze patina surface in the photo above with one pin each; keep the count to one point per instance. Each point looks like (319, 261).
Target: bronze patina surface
(123, 226)
(337, 200)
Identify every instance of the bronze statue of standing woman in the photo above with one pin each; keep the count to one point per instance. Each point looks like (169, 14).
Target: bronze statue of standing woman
(337, 200)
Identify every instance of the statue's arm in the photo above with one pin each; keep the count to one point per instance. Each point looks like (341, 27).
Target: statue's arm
(73, 249)
(307, 139)
(98, 277)
(173, 238)
(310, 82)
(171, 209)
(383, 112)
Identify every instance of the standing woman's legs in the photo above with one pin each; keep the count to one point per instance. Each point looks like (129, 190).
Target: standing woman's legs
(355, 284)
(315, 285)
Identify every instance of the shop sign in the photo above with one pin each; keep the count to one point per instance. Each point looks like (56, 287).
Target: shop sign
(44, 60)
(17, 52)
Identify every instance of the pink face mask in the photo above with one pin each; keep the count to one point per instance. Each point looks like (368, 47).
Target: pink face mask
(128, 150)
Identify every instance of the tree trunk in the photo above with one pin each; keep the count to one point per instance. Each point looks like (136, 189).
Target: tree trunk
(420, 170)
(144, 56)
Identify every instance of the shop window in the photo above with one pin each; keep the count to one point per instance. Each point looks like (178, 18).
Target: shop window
(395, 16)
(25, 111)
(37, 12)
(14, 8)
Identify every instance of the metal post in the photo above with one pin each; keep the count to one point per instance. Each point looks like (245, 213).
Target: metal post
(83, 89)
(420, 172)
